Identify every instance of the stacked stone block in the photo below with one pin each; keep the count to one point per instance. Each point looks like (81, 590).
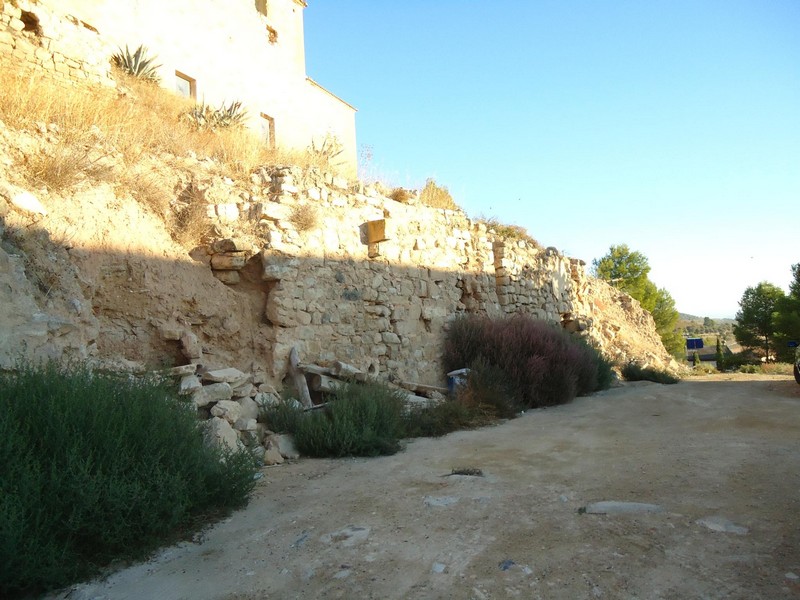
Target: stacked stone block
(338, 294)
(33, 36)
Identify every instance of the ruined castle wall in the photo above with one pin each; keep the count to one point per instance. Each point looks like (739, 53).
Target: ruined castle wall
(357, 277)
(63, 46)
(287, 259)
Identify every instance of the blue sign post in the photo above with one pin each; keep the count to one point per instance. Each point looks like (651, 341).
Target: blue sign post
(694, 343)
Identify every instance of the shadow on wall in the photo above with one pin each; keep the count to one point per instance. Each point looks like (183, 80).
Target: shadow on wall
(60, 298)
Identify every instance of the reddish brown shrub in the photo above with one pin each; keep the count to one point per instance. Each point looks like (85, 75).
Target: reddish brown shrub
(543, 364)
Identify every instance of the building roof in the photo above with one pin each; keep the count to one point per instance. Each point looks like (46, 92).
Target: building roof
(315, 84)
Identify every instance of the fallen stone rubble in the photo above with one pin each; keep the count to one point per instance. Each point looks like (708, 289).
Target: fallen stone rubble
(232, 405)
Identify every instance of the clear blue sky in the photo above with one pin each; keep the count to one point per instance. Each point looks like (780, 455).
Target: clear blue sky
(673, 127)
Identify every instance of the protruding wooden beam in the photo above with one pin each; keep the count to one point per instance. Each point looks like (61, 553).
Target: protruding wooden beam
(299, 379)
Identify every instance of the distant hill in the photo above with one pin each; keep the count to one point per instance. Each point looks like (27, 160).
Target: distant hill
(688, 317)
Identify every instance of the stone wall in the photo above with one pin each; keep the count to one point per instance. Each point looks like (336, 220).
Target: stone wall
(352, 275)
(288, 258)
(230, 50)
(64, 46)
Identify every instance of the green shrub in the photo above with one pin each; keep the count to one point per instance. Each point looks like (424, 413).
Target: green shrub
(440, 418)
(484, 397)
(362, 419)
(96, 467)
(283, 417)
(767, 368)
(742, 359)
(137, 64)
(487, 390)
(634, 372)
(704, 369)
(543, 364)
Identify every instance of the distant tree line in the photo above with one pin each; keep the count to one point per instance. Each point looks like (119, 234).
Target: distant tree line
(705, 326)
(769, 319)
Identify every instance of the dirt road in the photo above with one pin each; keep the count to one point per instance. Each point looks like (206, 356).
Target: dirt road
(720, 459)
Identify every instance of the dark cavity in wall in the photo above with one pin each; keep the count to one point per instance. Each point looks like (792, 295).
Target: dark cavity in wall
(31, 22)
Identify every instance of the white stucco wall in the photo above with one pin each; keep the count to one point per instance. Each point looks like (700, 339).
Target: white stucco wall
(225, 46)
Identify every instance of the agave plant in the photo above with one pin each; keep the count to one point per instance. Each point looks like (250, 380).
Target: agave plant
(328, 152)
(205, 116)
(137, 64)
(230, 116)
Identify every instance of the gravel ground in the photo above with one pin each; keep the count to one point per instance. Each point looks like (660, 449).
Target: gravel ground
(713, 465)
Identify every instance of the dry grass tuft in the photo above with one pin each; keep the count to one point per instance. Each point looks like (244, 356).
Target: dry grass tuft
(401, 195)
(304, 217)
(437, 196)
(150, 191)
(189, 223)
(511, 232)
(135, 119)
(59, 169)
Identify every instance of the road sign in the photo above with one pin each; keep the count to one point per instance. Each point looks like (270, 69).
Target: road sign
(694, 343)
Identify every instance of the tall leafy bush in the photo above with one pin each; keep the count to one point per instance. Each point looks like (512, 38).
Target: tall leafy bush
(543, 364)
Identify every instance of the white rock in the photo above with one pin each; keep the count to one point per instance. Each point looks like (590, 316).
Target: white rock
(244, 424)
(189, 384)
(24, 201)
(229, 375)
(259, 378)
(230, 410)
(273, 211)
(171, 331)
(249, 408)
(218, 432)
(191, 346)
(285, 443)
(182, 370)
(272, 456)
(227, 212)
(212, 393)
(440, 500)
(244, 390)
(721, 524)
(613, 507)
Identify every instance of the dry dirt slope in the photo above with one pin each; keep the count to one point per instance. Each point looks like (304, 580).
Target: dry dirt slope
(724, 450)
